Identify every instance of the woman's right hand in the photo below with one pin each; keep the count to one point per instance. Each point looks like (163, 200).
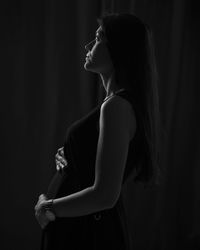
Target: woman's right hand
(60, 160)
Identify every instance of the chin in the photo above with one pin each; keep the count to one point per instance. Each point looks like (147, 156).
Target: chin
(88, 67)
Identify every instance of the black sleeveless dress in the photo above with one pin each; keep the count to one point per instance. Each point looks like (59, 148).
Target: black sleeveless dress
(106, 229)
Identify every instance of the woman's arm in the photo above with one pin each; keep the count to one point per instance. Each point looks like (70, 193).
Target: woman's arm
(84, 202)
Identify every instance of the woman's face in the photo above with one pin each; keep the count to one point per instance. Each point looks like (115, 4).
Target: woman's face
(98, 58)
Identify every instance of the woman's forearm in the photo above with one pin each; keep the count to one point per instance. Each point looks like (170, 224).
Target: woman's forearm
(84, 202)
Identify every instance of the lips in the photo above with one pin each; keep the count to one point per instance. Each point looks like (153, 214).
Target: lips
(88, 56)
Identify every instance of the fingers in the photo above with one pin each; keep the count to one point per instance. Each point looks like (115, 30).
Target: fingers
(42, 197)
(61, 151)
(59, 166)
(42, 219)
(42, 215)
(60, 160)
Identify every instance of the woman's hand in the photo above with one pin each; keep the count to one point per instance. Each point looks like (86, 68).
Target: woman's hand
(60, 160)
(42, 215)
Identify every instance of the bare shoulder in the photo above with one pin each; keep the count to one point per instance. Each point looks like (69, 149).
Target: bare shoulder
(116, 100)
(119, 112)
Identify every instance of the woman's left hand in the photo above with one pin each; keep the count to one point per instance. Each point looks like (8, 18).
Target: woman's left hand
(42, 215)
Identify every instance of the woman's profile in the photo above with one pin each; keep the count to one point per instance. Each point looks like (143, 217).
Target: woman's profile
(117, 142)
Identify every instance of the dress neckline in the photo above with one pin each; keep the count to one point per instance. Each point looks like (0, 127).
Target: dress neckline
(118, 91)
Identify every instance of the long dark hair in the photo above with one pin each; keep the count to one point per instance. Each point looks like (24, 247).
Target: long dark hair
(131, 47)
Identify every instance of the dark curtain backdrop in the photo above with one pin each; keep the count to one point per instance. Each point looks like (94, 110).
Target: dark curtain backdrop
(44, 88)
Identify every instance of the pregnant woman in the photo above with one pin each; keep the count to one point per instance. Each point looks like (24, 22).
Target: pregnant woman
(117, 142)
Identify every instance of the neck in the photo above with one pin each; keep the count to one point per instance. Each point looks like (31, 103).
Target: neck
(109, 83)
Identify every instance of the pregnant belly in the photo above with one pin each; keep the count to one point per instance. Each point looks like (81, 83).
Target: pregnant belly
(63, 183)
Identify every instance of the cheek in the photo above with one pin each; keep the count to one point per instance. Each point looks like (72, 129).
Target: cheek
(101, 55)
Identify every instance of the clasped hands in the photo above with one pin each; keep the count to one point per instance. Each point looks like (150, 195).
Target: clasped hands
(42, 215)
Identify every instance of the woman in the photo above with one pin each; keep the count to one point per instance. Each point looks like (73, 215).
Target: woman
(116, 142)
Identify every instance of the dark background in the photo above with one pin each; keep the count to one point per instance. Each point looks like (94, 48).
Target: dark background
(44, 88)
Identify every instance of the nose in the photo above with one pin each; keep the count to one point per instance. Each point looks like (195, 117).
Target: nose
(88, 46)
